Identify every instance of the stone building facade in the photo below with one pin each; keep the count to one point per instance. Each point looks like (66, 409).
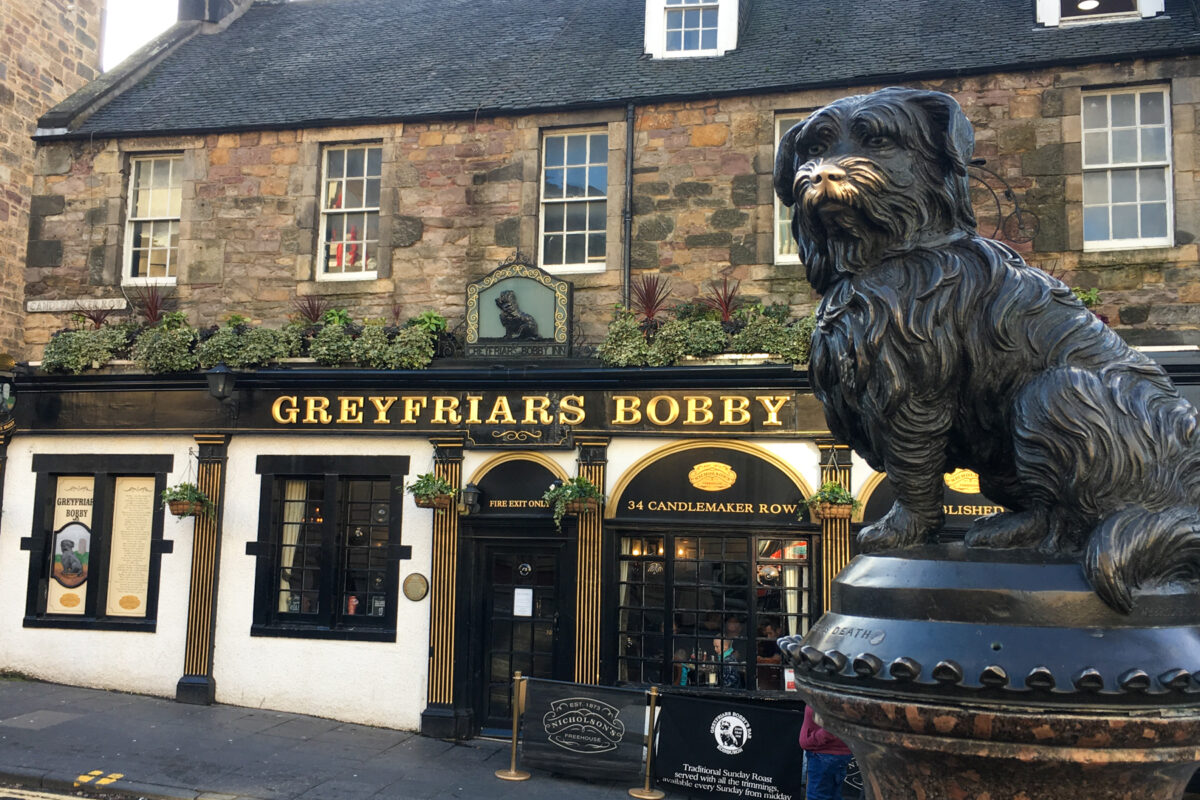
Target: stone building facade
(461, 195)
(48, 50)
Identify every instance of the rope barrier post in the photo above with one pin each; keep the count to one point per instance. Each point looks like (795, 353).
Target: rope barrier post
(645, 792)
(518, 705)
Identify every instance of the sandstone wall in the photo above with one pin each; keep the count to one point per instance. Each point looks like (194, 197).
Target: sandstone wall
(48, 49)
(460, 196)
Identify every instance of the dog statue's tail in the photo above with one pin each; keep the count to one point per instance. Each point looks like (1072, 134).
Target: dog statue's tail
(1135, 548)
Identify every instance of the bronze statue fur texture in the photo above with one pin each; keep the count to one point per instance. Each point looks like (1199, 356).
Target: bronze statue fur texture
(936, 349)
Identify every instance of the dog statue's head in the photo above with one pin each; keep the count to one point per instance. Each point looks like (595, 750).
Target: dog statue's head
(507, 301)
(875, 175)
(66, 545)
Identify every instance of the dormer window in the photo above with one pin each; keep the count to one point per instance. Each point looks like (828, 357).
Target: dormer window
(683, 28)
(691, 25)
(1063, 12)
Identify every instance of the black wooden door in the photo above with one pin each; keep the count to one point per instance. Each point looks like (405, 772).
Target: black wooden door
(525, 621)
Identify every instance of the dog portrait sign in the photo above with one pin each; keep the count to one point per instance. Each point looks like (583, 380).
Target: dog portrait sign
(518, 311)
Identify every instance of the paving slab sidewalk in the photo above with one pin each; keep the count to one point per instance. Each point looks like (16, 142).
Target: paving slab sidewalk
(64, 738)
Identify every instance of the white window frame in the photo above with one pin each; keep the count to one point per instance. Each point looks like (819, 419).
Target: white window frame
(1109, 167)
(586, 266)
(174, 184)
(325, 212)
(1049, 13)
(655, 43)
(786, 250)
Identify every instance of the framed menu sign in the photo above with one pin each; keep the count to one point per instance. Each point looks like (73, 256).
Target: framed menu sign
(129, 546)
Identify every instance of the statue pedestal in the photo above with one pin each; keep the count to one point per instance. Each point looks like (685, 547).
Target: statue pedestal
(910, 749)
(954, 673)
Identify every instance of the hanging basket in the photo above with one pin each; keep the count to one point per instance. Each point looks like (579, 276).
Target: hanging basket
(831, 511)
(583, 505)
(186, 508)
(434, 501)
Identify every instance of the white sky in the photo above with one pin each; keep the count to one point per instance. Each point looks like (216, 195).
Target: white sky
(131, 23)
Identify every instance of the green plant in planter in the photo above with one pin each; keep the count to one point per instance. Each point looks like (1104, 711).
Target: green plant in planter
(560, 494)
(332, 345)
(759, 334)
(677, 338)
(833, 493)
(407, 348)
(165, 349)
(79, 350)
(186, 500)
(239, 346)
(427, 488)
(625, 343)
(429, 321)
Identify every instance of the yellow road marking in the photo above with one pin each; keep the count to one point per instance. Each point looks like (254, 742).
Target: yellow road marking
(116, 776)
(87, 778)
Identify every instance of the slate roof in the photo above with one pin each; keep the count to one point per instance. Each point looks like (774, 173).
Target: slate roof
(322, 62)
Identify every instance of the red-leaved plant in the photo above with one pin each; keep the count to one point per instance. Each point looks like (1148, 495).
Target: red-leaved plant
(310, 308)
(723, 299)
(149, 301)
(96, 316)
(648, 294)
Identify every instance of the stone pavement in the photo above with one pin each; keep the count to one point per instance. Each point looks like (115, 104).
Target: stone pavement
(51, 736)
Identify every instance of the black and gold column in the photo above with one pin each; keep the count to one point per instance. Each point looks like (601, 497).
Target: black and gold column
(593, 459)
(197, 684)
(440, 718)
(836, 542)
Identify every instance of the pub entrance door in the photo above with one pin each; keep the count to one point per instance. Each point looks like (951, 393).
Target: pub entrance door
(524, 620)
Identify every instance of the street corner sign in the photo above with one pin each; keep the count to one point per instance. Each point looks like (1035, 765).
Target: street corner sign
(585, 731)
(729, 749)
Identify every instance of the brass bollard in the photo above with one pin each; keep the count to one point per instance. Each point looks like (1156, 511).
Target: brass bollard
(518, 705)
(645, 792)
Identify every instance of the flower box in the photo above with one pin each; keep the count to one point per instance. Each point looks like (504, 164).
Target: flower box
(433, 501)
(186, 508)
(832, 511)
(582, 506)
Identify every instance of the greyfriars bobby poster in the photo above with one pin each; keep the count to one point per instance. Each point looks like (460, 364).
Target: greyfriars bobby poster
(517, 311)
(585, 731)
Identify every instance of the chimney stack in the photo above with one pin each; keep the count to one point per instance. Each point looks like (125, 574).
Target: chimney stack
(205, 10)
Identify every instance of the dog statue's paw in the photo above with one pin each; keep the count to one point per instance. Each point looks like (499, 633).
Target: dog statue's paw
(899, 529)
(1009, 529)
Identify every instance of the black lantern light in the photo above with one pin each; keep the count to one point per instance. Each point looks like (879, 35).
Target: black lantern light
(468, 500)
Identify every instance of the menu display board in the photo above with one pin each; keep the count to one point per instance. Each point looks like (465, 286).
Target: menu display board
(129, 547)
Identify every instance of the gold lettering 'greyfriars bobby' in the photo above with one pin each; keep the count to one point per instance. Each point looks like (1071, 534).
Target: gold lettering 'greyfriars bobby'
(936, 348)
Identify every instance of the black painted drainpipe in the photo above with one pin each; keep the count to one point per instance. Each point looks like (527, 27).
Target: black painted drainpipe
(626, 258)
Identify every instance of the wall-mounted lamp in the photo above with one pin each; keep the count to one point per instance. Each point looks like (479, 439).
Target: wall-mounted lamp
(468, 500)
(221, 385)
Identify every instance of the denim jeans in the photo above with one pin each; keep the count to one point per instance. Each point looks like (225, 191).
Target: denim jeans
(825, 775)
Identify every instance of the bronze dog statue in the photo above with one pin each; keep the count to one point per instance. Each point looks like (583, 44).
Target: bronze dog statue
(936, 348)
(517, 324)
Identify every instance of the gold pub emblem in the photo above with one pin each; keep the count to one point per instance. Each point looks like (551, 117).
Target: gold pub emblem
(712, 476)
(963, 480)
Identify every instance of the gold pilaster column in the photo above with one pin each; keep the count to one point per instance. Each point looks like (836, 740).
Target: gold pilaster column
(835, 533)
(447, 464)
(593, 462)
(197, 684)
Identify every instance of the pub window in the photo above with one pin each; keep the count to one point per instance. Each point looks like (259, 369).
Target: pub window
(786, 251)
(574, 216)
(1127, 169)
(350, 212)
(96, 542)
(703, 610)
(152, 223)
(329, 547)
